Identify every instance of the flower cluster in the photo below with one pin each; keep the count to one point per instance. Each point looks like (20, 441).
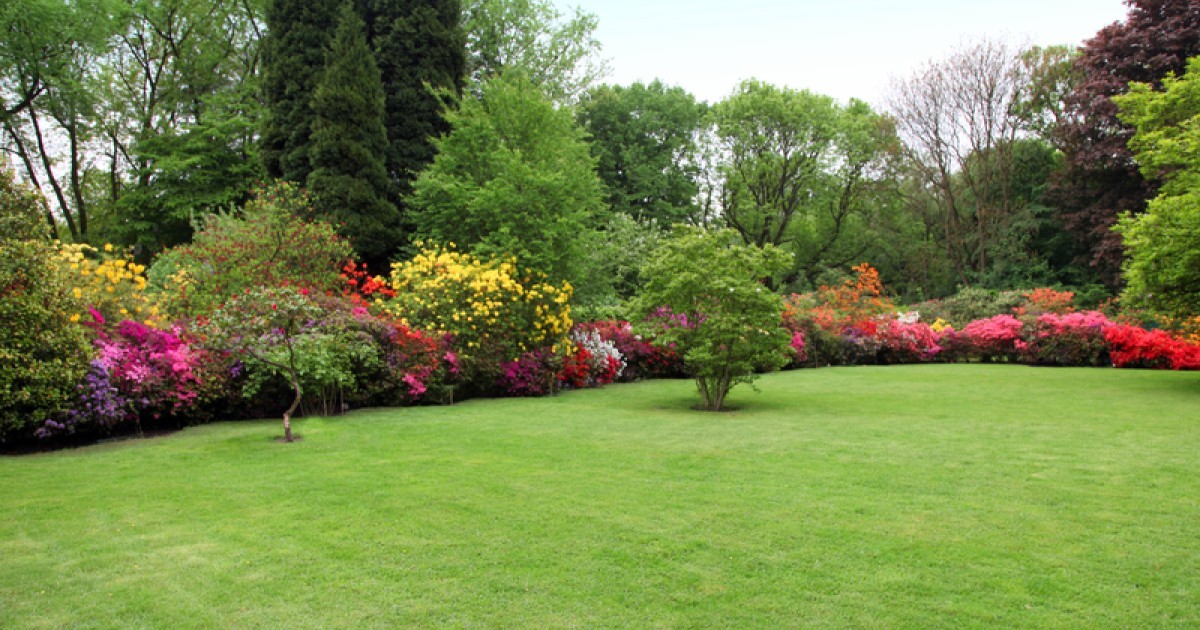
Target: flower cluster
(486, 306)
(109, 281)
(1132, 346)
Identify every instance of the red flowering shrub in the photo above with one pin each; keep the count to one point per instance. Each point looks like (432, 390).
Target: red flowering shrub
(1073, 339)
(994, 338)
(1131, 346)
(576, 369)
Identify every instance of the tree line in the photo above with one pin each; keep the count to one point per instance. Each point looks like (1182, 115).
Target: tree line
(486, 123)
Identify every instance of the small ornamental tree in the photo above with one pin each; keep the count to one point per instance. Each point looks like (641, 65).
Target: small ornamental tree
(262, 321)
(724, 321)
(270, 243)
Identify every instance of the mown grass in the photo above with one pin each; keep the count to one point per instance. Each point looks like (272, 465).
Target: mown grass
(954, 496)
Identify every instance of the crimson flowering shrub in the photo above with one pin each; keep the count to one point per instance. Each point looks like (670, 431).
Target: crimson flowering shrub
(1135, 347)
(1070, 339)
(642, 358)
(994, 338)
(594, 363)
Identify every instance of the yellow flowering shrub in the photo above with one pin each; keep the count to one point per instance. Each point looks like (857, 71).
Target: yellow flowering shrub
(489, 306)
(109, 281)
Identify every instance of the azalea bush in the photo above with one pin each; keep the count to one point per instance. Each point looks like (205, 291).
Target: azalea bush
(492, 310)
(1070, 339)
(903, 341)
(108, 280)
(642, 357)
(995, 338)
(1135, 347)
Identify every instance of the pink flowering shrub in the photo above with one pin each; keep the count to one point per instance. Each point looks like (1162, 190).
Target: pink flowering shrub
(1071, 339)
(994, 338)
(799, 347)
(902, 342)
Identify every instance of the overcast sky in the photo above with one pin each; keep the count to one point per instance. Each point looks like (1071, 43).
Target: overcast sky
(844, 48)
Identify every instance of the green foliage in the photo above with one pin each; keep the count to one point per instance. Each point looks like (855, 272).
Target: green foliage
(644, 137)
(613, 263)
(420, 48)
(201, 168)
(22, 216)
(1162, 270)
(513, 178)
(268, 244)
(802, 170)
(274, 327)
(293, 61)
(731, 324)
(969, 304)
(349, 180)
(43, 354)
(558, 53)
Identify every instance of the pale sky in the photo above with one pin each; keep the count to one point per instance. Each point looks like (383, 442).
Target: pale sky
(843, 48)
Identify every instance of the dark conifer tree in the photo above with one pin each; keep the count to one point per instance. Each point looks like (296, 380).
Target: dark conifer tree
(293, 56)
(349, 179)
(420, 47)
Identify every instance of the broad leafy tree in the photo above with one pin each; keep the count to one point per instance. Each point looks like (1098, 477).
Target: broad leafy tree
(558, 52)
(1101, 178)
(797, 170)
(349, 181)
(1163, 268)
(513, 178)
(645, 138)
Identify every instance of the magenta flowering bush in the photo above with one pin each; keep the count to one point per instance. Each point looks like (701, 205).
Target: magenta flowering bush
(534, 373)
(1075, 339)
(907, 342)
(995, 338)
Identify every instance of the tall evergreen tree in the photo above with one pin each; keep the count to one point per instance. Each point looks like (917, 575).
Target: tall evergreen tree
(420, 47)
(293, 56)
(349, 180)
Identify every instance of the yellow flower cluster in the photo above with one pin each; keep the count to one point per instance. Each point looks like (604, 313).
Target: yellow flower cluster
(939, 325)
(480, 302)
(109, 281)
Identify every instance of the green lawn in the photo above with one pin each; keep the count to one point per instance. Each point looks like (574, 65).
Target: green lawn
(956, 496)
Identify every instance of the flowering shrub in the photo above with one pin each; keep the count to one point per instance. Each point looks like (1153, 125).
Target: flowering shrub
(1046, 300)
(604, 361)
(534, 373)
(643, 358)
(904, 341)
(994, 338)
(269, 244)
(109, 281)
(798, 348)
(1075, 339)
(43, 356)
(1131, 346)
(492, 310)
(848, 305)
(363, 289)
(99, 405)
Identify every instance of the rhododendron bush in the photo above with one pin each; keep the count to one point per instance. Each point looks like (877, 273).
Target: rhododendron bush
(1071, 339)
